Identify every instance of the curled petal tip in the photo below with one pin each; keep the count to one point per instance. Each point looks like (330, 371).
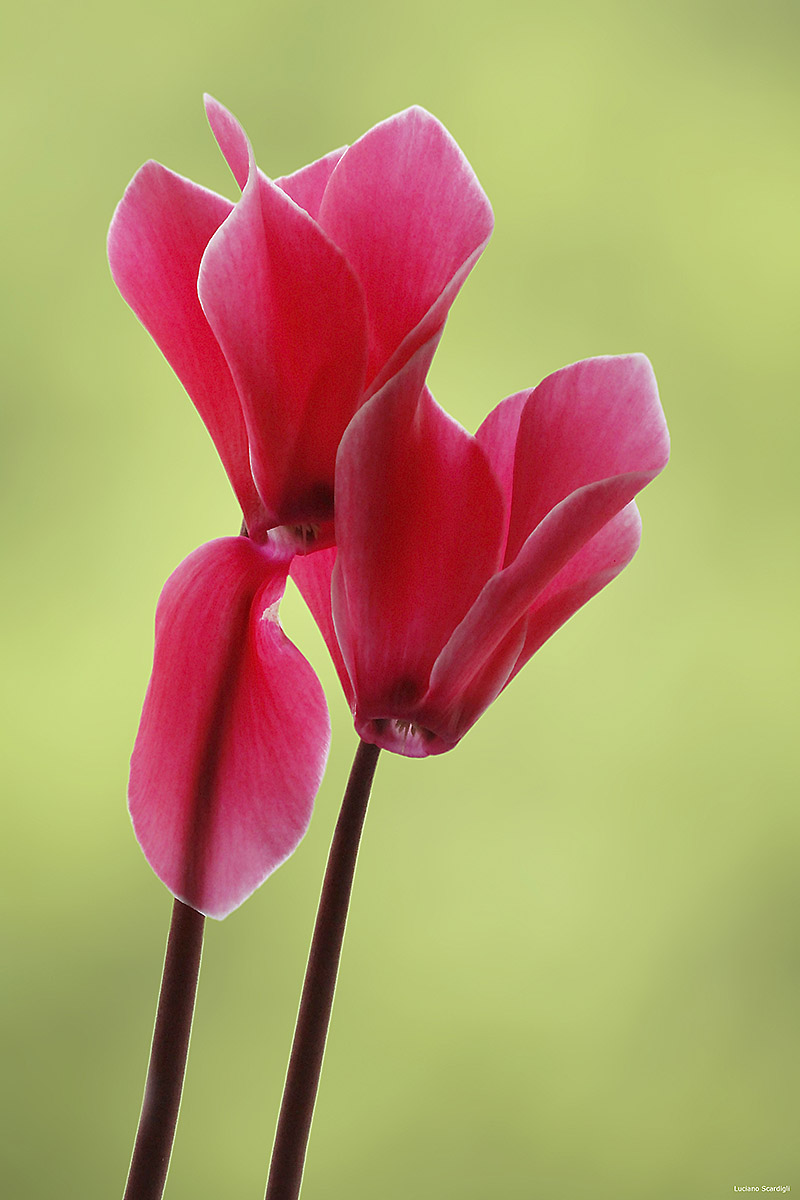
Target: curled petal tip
(231, 139)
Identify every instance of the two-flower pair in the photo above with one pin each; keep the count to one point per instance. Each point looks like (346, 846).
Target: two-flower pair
(302, 321)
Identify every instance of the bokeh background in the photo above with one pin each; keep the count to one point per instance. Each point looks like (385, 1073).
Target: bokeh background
(572, 961)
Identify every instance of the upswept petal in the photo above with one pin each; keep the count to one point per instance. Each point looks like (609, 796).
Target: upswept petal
(497, 437)
(156, 241)
(234, 733)
(231, 139)
(419, 528)
(307, 186)
(312, 574)
(289, 315)
(586, 573)
(405, 207)
(461, 698)
(587, 422)
(455, 711)
(510, 593)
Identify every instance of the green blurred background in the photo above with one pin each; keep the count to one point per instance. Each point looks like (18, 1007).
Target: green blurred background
(571, 966)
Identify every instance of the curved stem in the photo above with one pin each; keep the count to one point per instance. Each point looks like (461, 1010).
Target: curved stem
(162, 1093)
(313, 1018)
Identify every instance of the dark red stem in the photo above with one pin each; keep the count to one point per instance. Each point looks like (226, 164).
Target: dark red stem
(162, 1092)
(313, 1018)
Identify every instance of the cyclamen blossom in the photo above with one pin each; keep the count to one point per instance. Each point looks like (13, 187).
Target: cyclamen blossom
(281, 314)
(284, 312)
(458, 556)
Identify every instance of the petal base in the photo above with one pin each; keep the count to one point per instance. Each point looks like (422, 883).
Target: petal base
(402, 737)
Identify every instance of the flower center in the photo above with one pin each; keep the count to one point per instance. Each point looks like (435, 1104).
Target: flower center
(404, 730)
(408, 729)
(402, 735)
(306, 534)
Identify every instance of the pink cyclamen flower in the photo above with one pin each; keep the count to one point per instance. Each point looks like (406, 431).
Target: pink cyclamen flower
(458, 556)
(282, 313)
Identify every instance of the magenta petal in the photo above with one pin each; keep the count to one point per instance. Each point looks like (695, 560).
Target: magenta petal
(419, 527)
(472, 671)
(406, 209)
(509, 595)
(591, 421)
(497, 437)
(234, 733)
(312, 574)
(231, 139)
(586, 573)
(157, 238)
(307, 186)
(458, 700)
(289, 315)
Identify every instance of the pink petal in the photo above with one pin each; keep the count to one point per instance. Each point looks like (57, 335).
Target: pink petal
(231, 139)
(587, 573)
(312, 574)
(461, 699)
(419, 526)
(591, 421)
(234, 733)
(157, 238)
(497, 437)
(509, 595)
(406, 209)
(307, 186)
(457, 710)
(289, 315)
